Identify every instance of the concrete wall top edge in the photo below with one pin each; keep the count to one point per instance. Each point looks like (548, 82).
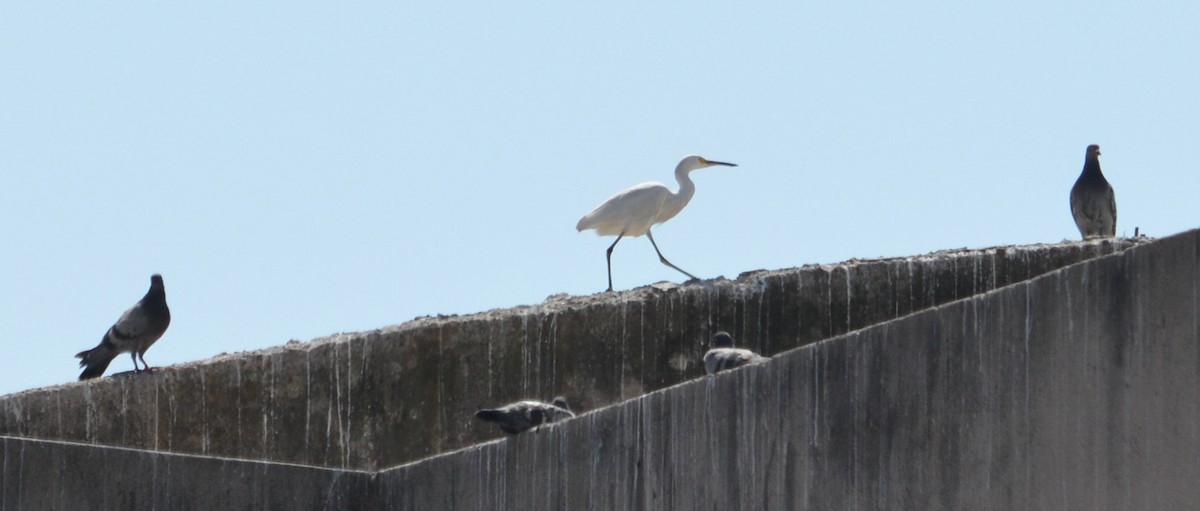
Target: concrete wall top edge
(563, 302)
(406, 392)
(1076, 389)
(183, 456)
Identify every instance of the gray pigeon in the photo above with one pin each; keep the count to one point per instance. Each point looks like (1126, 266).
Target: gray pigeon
(525, 415)
(1092, 201)
(724, 356)
(137, 329)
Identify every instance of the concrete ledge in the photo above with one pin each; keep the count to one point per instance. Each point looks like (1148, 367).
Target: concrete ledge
(399, 394)
(40, 474)
(1076, 390)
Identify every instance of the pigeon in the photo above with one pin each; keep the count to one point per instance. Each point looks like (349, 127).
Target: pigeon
(724, 356)
(525, 415)
(1092, 201)
(137, 329)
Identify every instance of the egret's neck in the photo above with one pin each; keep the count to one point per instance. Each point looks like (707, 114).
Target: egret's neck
(686, 187)
(678, 199)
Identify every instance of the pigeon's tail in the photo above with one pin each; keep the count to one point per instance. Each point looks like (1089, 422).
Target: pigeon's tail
(502, 419)
(490, 415)
(96, 360)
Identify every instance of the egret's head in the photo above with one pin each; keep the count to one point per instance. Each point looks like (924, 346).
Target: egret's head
(1093, 151)
(694, 162)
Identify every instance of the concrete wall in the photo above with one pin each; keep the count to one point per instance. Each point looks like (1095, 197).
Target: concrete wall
(399, 394)
(41, 474)
(1076, 390)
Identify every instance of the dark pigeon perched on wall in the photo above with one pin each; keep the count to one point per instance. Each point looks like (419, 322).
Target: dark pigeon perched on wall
(137, 329)
(1093, 203)
(525, 415)
(724, 356)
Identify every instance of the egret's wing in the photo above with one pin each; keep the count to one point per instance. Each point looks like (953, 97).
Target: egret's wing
(631, 211)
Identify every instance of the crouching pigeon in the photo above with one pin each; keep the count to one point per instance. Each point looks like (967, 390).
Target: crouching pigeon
(1093, 203)
(137, 329)
(525, 415)
(724, 356)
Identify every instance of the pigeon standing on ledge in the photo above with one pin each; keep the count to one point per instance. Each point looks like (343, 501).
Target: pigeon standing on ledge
(525, 415)
(1092, 201)
(724, 356)
(137, 329)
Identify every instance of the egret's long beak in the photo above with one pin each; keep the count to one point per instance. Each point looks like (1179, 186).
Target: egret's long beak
(710, 162)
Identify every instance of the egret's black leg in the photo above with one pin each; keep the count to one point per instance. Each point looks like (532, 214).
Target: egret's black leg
(664, 260)
(608, 259)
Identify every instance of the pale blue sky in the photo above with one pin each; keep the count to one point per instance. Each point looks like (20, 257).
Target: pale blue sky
(298, 169)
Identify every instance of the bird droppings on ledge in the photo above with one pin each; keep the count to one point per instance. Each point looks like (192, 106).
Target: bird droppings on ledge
(354, 391)
(664, 285)
(893, 415)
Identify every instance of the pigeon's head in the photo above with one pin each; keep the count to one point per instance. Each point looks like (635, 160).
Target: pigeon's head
(1093, 151)
(560, 402)
(156, 279)
(722, 339)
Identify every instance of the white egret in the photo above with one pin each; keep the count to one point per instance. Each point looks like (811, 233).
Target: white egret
(632, 211)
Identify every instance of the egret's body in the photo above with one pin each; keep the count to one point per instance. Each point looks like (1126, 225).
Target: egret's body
(633, 211)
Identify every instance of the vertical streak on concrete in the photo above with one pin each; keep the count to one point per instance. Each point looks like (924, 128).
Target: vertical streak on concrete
(308, 401)
(378, 401)
(622, 363)
(204, 438)
(239, 405)
(990, 402)
(441, 399)
(348, 431)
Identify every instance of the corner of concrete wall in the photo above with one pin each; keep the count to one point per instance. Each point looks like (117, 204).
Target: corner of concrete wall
(892, 414)
(1075, 390)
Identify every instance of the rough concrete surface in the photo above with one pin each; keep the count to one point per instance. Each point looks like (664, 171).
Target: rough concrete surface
(1079, 389)
(39, 474)
(381, 398)
(1074, 390)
